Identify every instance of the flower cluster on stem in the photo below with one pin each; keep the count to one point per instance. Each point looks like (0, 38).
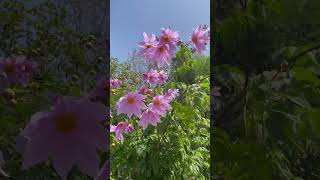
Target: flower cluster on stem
(157, 51)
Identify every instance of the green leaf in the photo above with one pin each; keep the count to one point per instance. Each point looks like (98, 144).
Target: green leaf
(314, 118)
(299, 101)
(305, 75)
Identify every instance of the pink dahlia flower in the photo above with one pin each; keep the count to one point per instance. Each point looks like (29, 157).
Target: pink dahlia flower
(151, 76)
(130, 104)
(70, 135)
(149, 116)
(122, 127)
(200, 38)
(147, 45)
(172, 94)
(162, 54)
(130, 128)
(115, 83)
(145, 90)
(154, 77)
(16, 70)
(162, 77)
(169, 37)
(160, 105)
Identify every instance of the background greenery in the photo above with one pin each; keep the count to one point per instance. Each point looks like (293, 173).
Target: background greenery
(71, 56)
(266, 60)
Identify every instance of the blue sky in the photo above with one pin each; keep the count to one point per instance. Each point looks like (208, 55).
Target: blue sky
(130, 18)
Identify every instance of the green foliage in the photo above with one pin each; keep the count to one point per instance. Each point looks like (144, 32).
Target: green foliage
(68, 59)
(267, 63)
(125, 72)
(188, 68)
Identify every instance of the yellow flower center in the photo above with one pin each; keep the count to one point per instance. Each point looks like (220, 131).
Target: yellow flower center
(161, 49)
(66, 123)
(194, 39)
(148, 46)
(9, 69)
(166, 39)
(130, 100)
(156, 103)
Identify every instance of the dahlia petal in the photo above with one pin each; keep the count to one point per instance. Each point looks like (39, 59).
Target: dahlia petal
(63, 159)
(33, 125)
(137, 112)
(119, 136)
(145, 36)
(38, 141)
(98, 138)
(143, 123)
(88, 161)
(153, 122)
(112, 128)
(90, 112)
(37, 150)
(104, 172)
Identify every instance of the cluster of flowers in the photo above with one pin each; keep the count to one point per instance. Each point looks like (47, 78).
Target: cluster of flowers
(160, 51)
(16, 70)
(134, 102)
(155, 77)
